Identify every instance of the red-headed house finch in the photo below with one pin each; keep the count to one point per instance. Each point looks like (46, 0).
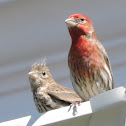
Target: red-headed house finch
(88, 61)
(47, 94)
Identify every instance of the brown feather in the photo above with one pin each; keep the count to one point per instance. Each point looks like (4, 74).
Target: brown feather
(47, 94)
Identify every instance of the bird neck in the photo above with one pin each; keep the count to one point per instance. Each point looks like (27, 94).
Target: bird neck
(77, 35)
(83, 45)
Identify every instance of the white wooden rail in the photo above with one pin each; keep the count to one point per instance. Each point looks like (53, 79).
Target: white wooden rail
(106, 109)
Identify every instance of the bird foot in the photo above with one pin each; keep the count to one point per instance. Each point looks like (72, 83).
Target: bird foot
(74, 105)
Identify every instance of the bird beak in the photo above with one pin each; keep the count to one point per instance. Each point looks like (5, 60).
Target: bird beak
(70, 22)
(32, 75)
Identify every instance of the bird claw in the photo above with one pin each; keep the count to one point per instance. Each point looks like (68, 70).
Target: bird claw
(74, 105)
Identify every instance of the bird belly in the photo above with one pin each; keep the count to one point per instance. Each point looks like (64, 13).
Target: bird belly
(82, 93)
(89, 75)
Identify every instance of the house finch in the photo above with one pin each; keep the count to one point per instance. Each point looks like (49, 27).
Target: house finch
(47, 94)
(88, 61)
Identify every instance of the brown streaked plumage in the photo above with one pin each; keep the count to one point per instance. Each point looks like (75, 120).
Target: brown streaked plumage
(47, 94)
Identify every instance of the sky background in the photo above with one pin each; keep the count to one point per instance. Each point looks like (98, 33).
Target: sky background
(34, 29)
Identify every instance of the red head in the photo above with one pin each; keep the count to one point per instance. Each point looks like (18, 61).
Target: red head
(79, 24)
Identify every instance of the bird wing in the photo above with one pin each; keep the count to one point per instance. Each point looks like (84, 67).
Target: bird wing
(108, 64)
(64, 94)
(101, 48)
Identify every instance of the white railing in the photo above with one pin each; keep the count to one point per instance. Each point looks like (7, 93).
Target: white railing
(106, 109)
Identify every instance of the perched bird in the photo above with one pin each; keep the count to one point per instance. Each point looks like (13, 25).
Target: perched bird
(88, 61)
(47, 94)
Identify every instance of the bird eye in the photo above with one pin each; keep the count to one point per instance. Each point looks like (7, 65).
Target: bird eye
(82, 19)
(43, 73)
